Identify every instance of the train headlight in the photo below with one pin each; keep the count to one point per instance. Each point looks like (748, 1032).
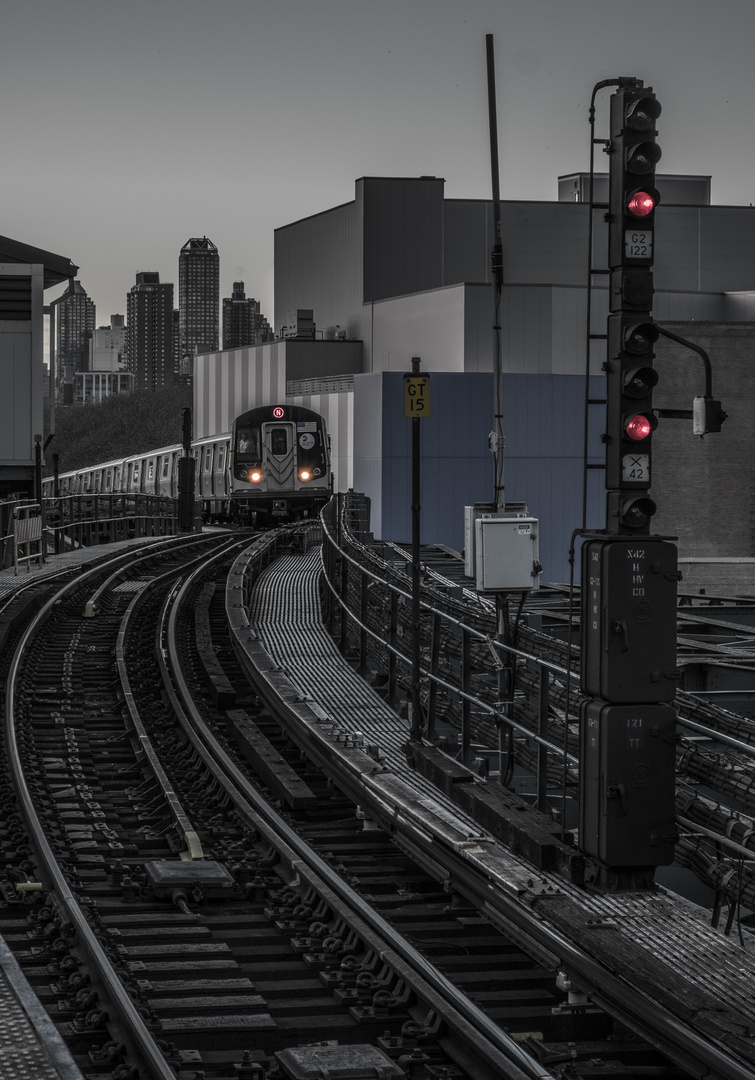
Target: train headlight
(254, 476)
(304, 474)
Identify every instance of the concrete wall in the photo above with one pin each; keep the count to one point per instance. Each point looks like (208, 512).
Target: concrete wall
(705, 487)
(430, 325)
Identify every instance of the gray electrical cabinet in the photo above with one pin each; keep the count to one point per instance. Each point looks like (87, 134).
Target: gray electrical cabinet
(504, 550)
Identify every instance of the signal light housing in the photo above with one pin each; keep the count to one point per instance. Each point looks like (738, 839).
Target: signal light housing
(639, 382)
(633, 513)
(642, 111)
(642, 203)
(639, 427)
(634, 154)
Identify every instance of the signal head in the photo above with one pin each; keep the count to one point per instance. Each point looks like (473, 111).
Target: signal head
(642, 202)
(639, 338)
(636, 513)
(643, 112)
(639, 426)
(639, 382)
(643, 158)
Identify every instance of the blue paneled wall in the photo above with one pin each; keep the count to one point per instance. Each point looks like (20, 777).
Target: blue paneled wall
(543, 466)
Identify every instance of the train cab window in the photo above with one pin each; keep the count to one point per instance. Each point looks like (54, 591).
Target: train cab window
(279, 441)
(248, 443)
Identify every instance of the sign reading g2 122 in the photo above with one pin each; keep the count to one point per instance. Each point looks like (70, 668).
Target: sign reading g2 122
(416, 396)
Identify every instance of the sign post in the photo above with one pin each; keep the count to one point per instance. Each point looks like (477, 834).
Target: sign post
(416, 406)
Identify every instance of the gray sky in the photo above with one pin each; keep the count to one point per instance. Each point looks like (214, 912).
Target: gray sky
(128, 126)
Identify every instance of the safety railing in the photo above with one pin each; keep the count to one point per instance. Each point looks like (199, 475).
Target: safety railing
(73, 521)
(504, 703)
(27, 535)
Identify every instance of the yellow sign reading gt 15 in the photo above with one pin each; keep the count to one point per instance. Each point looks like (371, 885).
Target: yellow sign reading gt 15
(416, 395)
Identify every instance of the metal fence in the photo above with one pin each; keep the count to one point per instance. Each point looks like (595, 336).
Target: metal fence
(85, 520)
(367, 607)
(72, 521)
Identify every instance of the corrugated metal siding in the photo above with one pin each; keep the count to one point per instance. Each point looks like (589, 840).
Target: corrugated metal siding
(338, 410)
(230, 382)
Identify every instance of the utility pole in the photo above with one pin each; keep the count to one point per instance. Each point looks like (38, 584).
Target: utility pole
(496, 266)
(416, 406)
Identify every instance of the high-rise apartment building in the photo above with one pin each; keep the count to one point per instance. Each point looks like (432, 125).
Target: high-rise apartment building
(74, 325)
(242, 322)
(149, 309)
(198, 295)
(107, 350)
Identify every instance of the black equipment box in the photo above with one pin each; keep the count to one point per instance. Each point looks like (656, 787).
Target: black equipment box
(629, 619)
(626, 777)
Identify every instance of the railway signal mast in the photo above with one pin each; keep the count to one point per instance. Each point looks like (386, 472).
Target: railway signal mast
(627, 723)
(632, 333)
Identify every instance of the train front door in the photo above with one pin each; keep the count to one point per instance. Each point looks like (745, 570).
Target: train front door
(279, 454)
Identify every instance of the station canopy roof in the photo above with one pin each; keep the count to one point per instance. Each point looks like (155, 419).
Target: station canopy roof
(57, 267)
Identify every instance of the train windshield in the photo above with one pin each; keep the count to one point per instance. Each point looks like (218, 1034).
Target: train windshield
(248, 443)
(279, 441)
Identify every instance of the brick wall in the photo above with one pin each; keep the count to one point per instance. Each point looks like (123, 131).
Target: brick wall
(704, 487)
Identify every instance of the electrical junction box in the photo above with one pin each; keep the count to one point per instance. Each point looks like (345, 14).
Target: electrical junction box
(506, 552)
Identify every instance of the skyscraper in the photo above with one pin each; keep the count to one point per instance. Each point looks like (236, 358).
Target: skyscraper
(242, 322)
(150, 331)
(107, 350)
(198, 295)
(74, 326)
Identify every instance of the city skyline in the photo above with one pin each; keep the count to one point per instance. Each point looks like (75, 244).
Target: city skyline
(230, 121)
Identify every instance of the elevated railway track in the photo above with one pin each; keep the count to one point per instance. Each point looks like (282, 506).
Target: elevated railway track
(278, 886)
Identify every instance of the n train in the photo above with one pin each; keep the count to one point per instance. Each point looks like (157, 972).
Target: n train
(274, 465)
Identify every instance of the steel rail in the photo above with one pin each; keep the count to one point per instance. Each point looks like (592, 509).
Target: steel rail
(125, 1012)
(181, 820)
(702, 1056)
(505, 1052)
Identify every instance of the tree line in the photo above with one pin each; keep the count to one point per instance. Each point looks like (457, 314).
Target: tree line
(120, 425)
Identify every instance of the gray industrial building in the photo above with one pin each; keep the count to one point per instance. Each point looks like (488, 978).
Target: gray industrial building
(401, 271)
(25, 273)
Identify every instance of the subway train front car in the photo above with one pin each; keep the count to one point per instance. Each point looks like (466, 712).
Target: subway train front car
(280, 466)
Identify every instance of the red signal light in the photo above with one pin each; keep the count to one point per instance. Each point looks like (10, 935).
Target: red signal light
(641, 204)
(638, 427)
